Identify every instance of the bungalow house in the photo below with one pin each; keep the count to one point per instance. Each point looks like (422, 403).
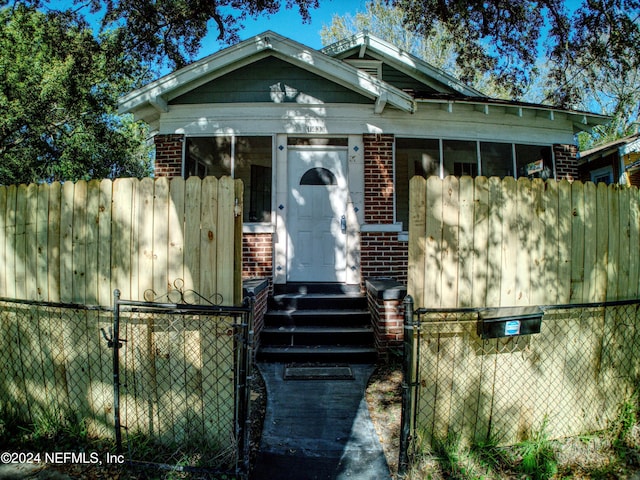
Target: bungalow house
(326, 142)
(614, 162)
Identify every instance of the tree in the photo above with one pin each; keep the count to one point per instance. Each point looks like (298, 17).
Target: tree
(58, 93)
(388, 23)
(588, 59)
(174, 29)
(509, 36)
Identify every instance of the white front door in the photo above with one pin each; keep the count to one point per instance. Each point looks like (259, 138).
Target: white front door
(316, 217)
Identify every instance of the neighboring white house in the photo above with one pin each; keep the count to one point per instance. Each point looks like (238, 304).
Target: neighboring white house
(326, 142)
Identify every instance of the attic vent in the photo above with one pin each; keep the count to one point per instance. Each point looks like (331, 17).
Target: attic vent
(372, 67)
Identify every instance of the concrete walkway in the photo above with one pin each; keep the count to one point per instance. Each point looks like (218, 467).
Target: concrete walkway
(318, 429)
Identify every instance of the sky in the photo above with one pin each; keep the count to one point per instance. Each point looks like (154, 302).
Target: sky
(288, 23)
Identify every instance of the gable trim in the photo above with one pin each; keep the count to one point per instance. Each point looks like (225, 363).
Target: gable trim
(402, 61)
(158, 93)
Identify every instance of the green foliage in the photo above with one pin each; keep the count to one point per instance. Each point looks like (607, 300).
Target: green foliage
(582, 62)
(174, 29)
(438, 48)
(623, 426)
(538, 456)
(58, 94)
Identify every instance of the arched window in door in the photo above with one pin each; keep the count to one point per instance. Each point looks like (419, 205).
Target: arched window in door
(318, 176)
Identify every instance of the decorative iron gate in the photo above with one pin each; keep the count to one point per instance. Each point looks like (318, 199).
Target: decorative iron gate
(180, 376)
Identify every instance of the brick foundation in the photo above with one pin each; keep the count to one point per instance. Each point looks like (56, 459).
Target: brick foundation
(258, 289)
(383, 255)
(385, 299)
(257, 255)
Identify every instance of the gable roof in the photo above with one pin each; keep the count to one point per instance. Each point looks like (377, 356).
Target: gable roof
(149, 101)
(621, 146)
(332, 63)
(363, 44)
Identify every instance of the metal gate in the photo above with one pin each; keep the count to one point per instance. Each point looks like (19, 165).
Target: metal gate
(180, 376)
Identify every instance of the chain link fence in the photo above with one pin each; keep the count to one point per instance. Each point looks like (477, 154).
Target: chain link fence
(56, 367)
(168, 383)
(481, 379)
(183, 372)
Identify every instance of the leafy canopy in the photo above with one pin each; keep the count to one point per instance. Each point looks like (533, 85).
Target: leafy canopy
(58, 93)
(538, 51)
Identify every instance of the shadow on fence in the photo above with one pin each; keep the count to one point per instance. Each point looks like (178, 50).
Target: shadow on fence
(167, 383)
(572, 377)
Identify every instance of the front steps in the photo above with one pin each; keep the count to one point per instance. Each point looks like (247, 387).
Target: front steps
(317, 324)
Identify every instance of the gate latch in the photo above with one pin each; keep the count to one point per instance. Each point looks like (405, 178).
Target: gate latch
(109, 339)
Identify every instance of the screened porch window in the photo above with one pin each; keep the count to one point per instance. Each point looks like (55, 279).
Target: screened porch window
(248, 158)
(442, 157)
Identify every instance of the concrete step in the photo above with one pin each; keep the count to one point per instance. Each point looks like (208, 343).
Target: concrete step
(317, 317)
(317, 335)
(317, 323)
(321, 288)
(318, 353)
(289, 301)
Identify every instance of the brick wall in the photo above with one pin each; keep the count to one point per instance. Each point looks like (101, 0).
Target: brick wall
(566, 162)
(168, 155)
(378, 178)
(383, 255)
(257, 255)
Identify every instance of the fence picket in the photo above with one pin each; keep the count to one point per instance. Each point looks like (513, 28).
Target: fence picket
(624, 233)
(208, 238)
(578, 221)
(634, 239)
(450, 257)
(417, 238)
(3, 240)
(613, 264)
(590, 241)
(465, 243)
(53, 243)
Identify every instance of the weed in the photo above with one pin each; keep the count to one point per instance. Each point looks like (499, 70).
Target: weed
(458, 460)
(538, 457)
(491, 455)
(624, 424)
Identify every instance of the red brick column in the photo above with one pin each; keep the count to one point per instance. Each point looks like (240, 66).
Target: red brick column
(378, 178)
(169, 155)
(382, 254)
(566, 157)
(385, 299)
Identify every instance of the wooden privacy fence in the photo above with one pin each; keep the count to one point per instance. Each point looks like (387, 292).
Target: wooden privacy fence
(569, 379)
(77, 242)
(489, 242)
(64, 247)
(476, 243)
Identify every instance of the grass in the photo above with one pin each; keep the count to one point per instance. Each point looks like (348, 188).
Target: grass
(614, 453)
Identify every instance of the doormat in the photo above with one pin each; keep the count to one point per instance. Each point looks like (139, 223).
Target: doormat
(318, 372)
